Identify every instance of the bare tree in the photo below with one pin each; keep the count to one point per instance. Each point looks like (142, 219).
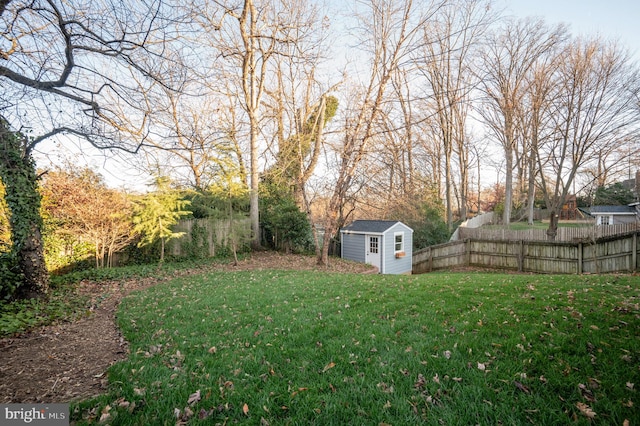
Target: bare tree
(64, 66)
(300, 104)
(508, 58)
(595, 108)
(534, 119)
(191, 138)
(446, 63)
(391, 28)
(248, 38)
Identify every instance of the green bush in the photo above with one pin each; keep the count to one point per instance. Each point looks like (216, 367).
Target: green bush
(285, 227)
(430, 230)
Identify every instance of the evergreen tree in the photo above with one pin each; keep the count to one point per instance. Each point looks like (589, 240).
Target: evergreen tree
(615, 194)
(156, 213)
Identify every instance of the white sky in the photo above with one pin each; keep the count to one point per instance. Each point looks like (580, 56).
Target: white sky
(611, 19)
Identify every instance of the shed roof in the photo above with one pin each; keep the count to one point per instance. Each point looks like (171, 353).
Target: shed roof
(612, 210)
(372, 226)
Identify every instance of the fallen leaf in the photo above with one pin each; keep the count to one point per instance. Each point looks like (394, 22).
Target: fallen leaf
(213, 350)
(522, 387)
(629, 385)
(457, 379)
(328, 366)
(245, 409)
(586, 393)
(105, 413)
(481, 366)
(188, 413)
(385, 387)
(420, 382)
(625, 422)
(436, 378)
(194, 397)
(447, 354)
(387, 405)
(586, 410)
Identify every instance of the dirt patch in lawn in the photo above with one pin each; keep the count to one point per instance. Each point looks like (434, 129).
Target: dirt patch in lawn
(68, 361)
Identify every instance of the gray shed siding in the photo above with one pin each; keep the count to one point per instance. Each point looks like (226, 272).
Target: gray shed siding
(353, 247)
(391, 264)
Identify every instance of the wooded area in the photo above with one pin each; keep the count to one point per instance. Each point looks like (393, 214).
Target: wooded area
(310, 114)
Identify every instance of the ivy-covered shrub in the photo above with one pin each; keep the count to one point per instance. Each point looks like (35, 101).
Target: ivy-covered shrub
(10, 276)
(198, 247)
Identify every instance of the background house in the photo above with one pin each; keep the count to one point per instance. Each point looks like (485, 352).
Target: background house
(385, 244)
(613, 215)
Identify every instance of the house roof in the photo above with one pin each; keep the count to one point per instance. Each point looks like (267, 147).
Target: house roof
(613, 210)
(369, 226)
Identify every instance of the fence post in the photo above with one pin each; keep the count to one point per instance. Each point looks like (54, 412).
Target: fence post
(579, 265)
(634, 252)
(430, 260)
(467, 252)
(521, 256)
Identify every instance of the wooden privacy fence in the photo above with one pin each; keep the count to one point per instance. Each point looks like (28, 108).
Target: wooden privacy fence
(474, 222)
(564, 233)
(206, 234)
(602, 255)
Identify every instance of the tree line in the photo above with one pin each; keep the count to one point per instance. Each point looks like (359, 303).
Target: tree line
(374, 108)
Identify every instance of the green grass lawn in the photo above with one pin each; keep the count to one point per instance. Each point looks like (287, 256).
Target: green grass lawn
(304, 348)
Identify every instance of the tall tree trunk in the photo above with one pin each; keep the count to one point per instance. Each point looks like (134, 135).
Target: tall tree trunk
(531, 192)
(17, 170)
(552, 230)
(508, 187)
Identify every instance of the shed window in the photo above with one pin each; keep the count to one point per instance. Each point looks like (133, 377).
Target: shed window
(399, 242)
(373, 245)
(604, 220)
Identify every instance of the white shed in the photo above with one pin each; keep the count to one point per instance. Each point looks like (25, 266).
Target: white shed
(614, 215)
(386, 244)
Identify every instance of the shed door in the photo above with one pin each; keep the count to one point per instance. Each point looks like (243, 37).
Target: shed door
(374, 250)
